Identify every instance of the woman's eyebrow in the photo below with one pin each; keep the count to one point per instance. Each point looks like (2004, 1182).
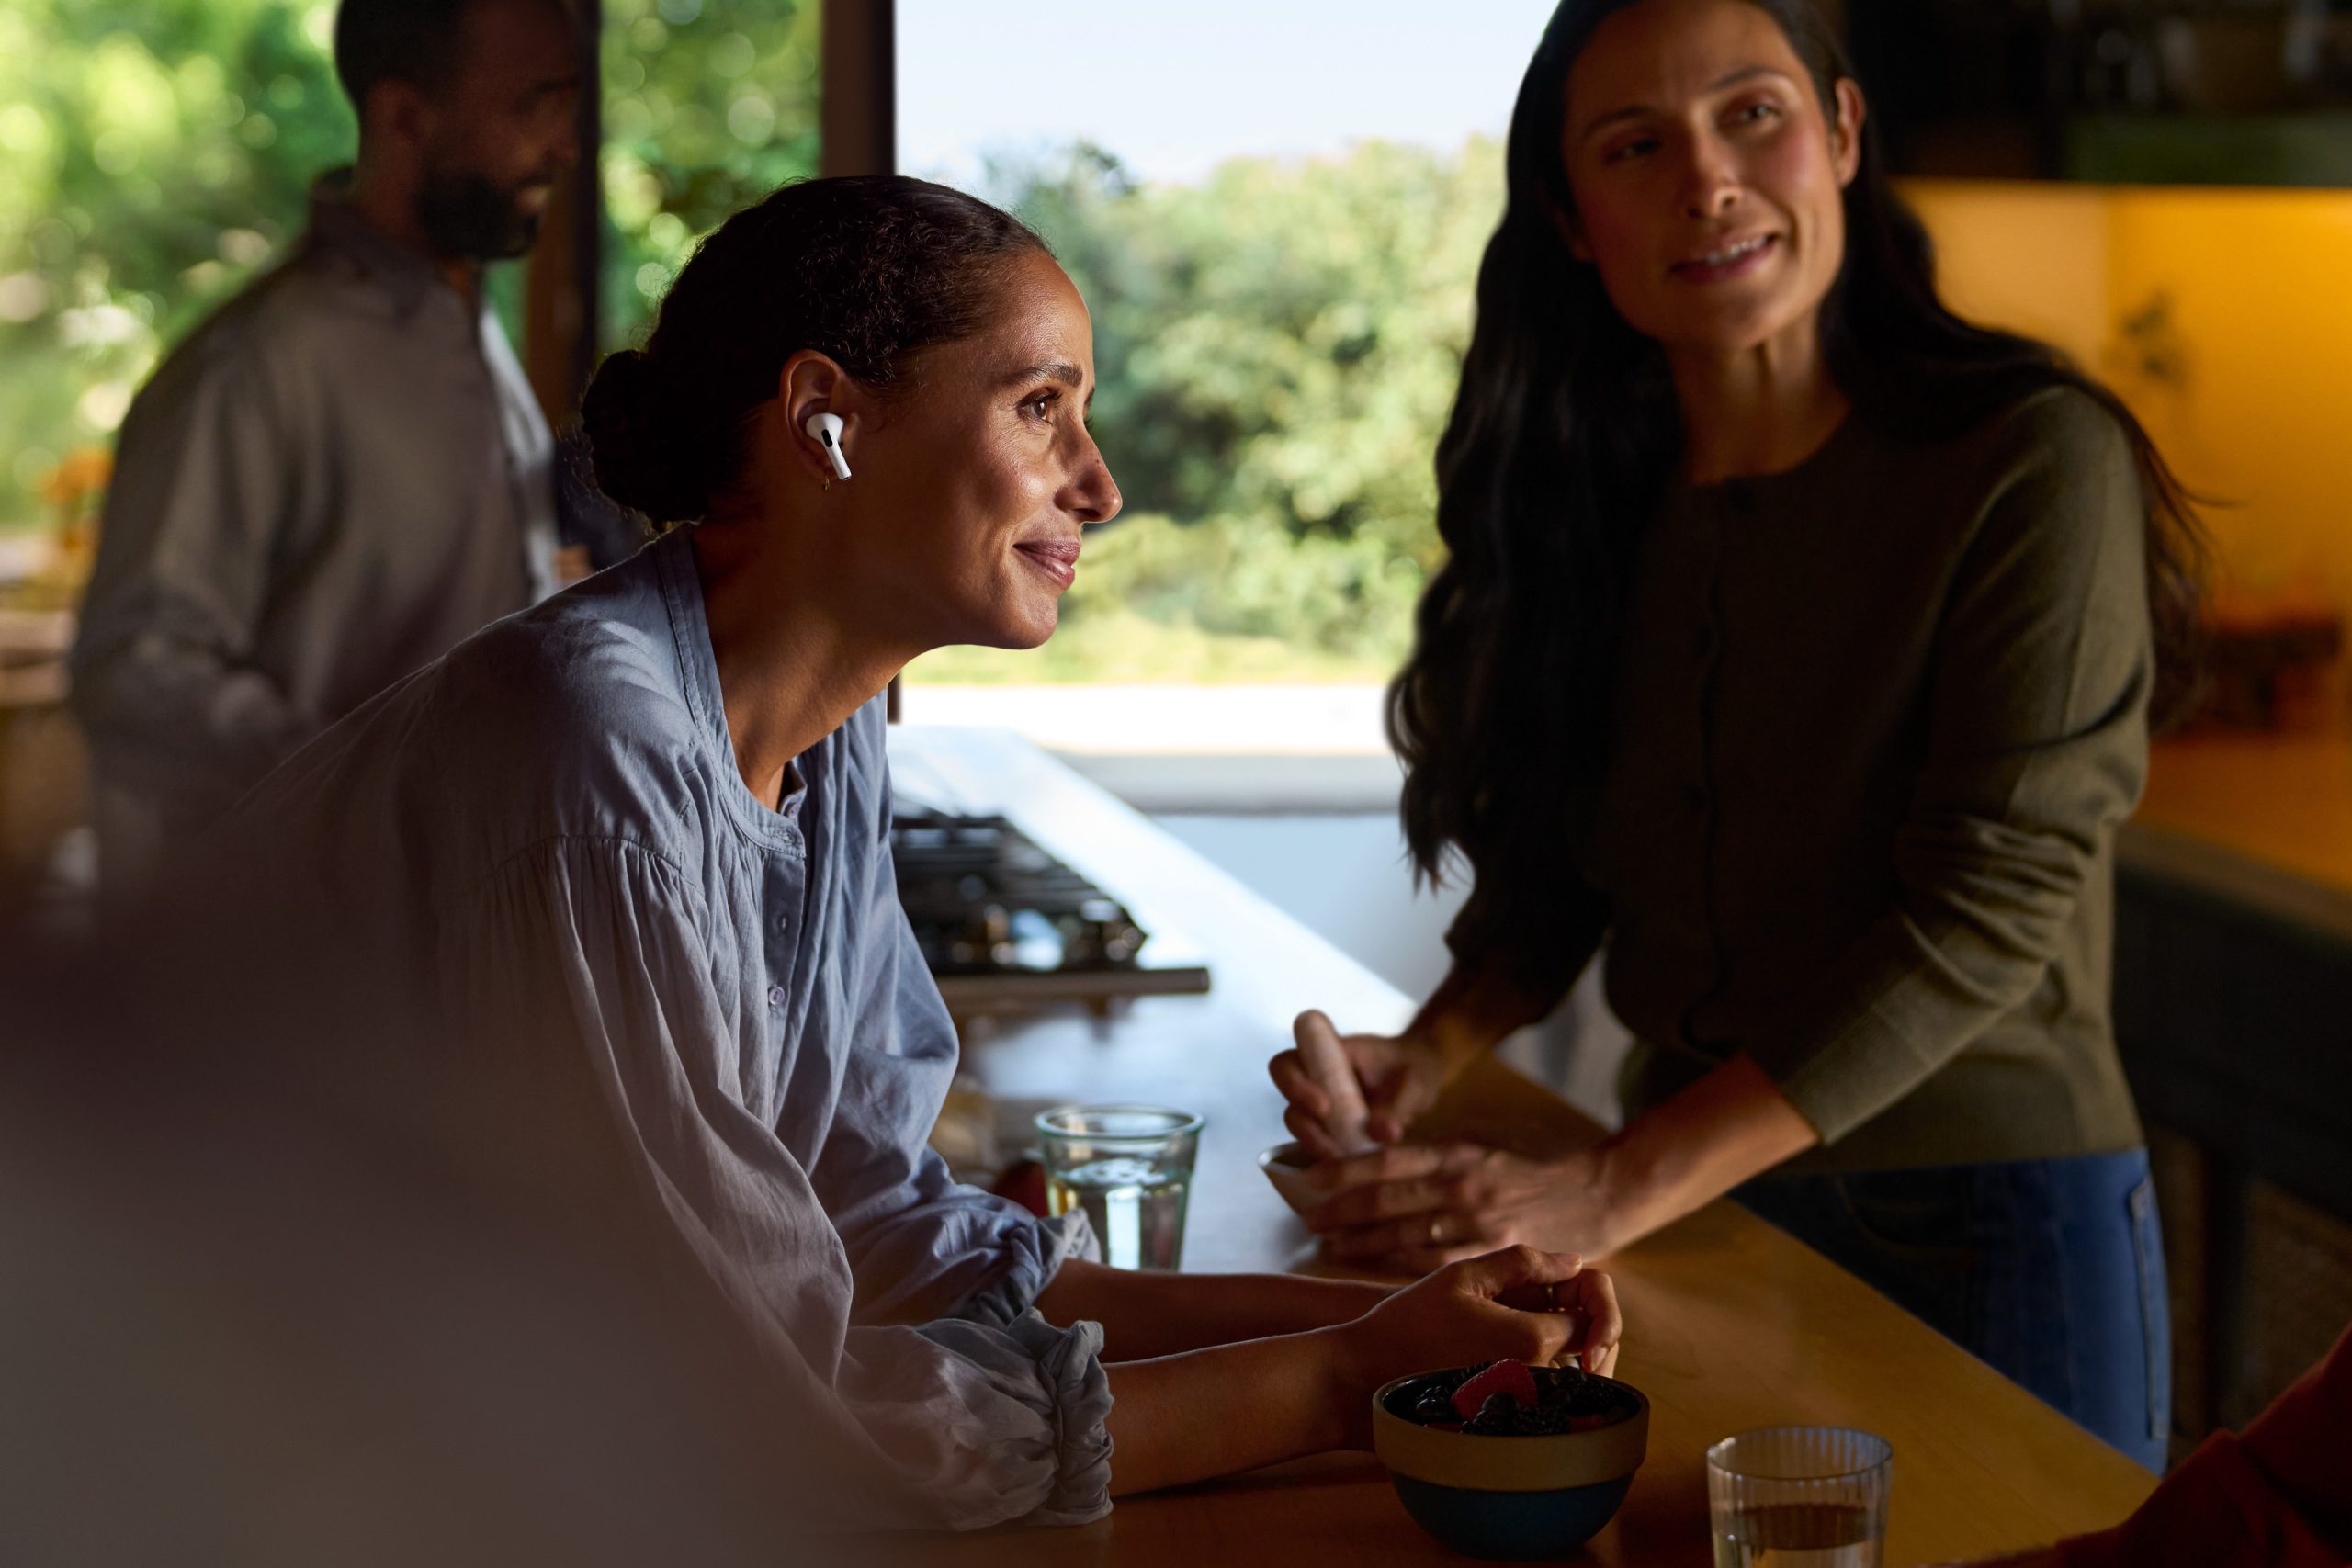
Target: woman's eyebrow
(1637, 111)
(1060, 370)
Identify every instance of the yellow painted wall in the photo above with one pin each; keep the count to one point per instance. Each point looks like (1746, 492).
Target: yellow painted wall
(2032, 258)
(2257, 285)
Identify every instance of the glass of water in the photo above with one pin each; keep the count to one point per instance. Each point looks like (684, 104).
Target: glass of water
(1130, 1168)
(1800, 1497)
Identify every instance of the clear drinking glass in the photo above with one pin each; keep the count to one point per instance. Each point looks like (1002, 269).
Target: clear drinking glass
(1130, 1168)
(1800, 1497)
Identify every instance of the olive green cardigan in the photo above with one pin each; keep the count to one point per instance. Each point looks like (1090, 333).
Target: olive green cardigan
(1877, 720)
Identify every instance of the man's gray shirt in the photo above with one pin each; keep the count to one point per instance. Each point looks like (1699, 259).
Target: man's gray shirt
(336, 478)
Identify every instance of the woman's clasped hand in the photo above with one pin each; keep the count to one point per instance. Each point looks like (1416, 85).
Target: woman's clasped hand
(1407, 1208)
(1414, 1207)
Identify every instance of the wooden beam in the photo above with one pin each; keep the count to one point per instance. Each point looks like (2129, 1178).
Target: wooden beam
(860, 132)
(562, 320)
(860, 89)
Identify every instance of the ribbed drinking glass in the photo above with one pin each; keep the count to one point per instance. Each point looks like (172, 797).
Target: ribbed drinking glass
(1799, 1497)
(1130, 1168)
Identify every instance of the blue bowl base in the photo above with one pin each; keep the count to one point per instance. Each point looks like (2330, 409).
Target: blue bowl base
(1512, 1527)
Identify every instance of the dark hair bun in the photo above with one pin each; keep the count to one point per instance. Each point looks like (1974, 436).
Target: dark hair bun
(641, 461)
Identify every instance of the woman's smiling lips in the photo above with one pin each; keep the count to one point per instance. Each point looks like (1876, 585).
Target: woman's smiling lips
(1728, 259)
(1058, 558)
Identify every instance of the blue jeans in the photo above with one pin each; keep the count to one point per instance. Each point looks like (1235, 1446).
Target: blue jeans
(2052, 1272)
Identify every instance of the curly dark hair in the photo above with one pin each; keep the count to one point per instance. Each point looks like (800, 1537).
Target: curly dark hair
(869, 269)
(1564, 434)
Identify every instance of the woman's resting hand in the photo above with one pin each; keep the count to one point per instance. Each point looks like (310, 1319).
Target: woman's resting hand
(1232, 1408)
(1517, 1303)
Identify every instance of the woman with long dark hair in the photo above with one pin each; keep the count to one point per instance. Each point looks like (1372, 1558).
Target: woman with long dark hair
(1798, 639)
(616, 872)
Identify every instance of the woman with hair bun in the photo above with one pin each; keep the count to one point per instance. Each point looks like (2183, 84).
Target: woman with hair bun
(623, 861)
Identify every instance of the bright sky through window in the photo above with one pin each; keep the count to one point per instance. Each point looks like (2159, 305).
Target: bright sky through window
(1174, 89)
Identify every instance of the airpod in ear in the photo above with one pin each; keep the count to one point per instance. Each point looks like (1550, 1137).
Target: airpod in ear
(825, 430)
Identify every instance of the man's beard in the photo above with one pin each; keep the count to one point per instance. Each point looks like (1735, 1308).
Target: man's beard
(466, 215)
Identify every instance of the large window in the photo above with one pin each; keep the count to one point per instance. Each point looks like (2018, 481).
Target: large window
(1277, 225)
(155, 153)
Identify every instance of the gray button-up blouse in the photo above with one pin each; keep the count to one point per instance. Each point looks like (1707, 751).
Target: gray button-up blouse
(538, 850)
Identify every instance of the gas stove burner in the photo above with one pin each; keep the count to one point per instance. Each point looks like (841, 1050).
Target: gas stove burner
(984, 899)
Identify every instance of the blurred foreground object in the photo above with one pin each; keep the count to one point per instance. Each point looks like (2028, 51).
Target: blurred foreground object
(2278, 1496)
(259, 1313)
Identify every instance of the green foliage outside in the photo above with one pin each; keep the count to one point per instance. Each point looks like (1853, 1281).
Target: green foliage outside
(1277, 347)
(709, 106)
(156, 154)
(1277, 343)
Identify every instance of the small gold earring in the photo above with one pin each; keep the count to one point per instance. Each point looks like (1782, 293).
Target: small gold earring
(828, 484)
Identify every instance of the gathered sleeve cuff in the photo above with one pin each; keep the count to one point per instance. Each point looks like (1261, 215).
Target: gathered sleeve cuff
(1033, 1250)
(1049, 1461)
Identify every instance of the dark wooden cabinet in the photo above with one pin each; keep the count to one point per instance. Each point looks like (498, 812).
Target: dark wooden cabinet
(2233, 1011)
(2120, 92)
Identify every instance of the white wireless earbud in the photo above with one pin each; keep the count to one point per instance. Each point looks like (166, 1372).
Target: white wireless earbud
(825, 430)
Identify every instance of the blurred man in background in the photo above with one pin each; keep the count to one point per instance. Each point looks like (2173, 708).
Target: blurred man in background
(343, 472)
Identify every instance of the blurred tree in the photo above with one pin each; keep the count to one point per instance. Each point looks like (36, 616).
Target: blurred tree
(1278, 347)
(152, 155)
(1283, 337)
(707, 108)
(1278, 343)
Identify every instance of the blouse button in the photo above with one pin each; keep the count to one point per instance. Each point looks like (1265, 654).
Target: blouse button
(776, 996)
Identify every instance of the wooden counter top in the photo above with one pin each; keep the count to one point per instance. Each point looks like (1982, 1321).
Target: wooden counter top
(1730, 1324)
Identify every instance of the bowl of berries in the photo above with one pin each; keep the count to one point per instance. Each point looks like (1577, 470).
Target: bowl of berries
(1508, 1460)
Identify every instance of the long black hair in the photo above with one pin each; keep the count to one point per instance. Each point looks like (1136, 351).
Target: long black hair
(1564, 434)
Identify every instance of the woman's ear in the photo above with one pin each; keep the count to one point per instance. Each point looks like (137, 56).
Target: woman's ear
(813, 383)
(1571, 231)
(1846, 134)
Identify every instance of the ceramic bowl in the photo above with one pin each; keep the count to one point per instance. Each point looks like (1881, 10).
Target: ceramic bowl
(1508, 1498)
(1285, 1166)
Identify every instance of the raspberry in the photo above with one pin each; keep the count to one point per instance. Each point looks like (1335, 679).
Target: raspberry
(1513, 1378)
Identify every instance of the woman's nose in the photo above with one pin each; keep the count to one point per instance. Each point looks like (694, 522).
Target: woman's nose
(1710, 182)
(1093, 495)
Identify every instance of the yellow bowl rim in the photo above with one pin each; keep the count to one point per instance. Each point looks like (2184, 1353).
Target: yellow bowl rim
(1552, 1464)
